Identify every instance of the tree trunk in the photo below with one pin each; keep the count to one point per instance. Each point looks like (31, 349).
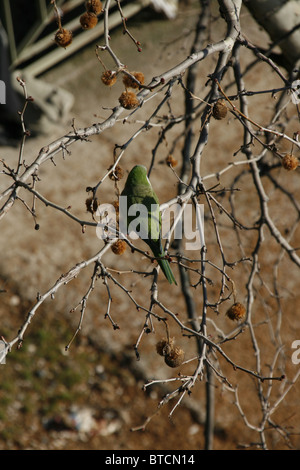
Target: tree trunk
(280, 19)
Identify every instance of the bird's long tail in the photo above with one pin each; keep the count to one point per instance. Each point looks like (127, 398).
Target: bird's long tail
(166, 269)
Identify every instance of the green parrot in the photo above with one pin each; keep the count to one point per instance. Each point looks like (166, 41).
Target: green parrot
(138, 190)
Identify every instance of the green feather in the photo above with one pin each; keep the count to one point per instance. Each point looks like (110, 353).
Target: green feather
(138, 190)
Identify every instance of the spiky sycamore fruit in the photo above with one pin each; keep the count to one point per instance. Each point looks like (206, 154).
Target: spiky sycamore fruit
(290, 162)
(128, 100)
(175, 357)
(236, 312)
(130, 83)
(119, 247)
(171, 161)
(93, 6)
(117, 174)
(88, 20)
(109, 77)
(63, 37)
(164, 346)
(219, 110)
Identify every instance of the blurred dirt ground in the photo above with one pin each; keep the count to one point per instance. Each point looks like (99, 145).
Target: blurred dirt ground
(90, 397)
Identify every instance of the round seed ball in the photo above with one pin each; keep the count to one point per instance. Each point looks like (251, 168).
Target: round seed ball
(175, 357)
(130, 83)
(219, 110)
(128, 100)
(109, 77)
(93, 6)
(236, 312)
(171, 161)
(119, 247)
(63, 37)
(117, 174)
(164, 346)
(88, 20)
(290, 162)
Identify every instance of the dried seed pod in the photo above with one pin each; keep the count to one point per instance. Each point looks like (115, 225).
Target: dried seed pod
(164, 346)
(171, 161)
(88, 20)
(118, 247)
(219, 110)
(109, 77)
(130, 83)
(63, 37)
(92, 205)
(236, 312)
(117, 174)
(116, 206)
(290, 162)
(128, 100)
(175, 358)
(93, 6)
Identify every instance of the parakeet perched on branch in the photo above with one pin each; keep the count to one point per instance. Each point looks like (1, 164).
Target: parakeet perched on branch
(141, 198)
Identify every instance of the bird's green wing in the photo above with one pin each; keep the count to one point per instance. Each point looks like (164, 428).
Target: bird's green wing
(138, 190)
